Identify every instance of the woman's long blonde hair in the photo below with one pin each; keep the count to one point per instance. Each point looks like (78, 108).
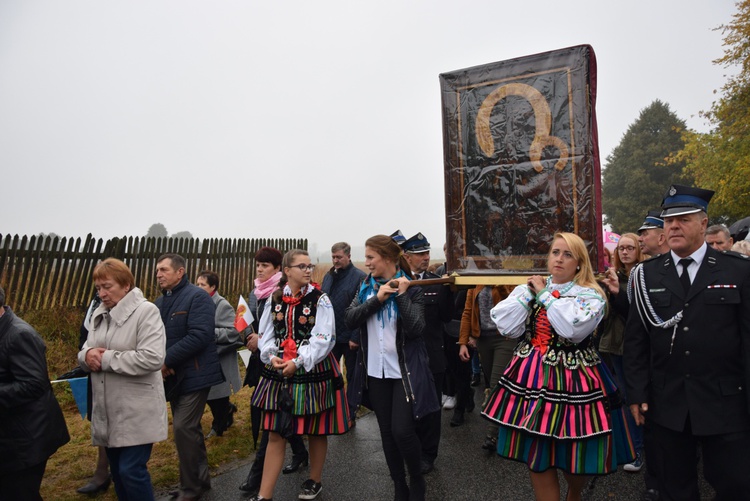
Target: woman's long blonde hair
(585, 274)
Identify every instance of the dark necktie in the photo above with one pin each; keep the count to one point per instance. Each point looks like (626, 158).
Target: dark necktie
(685, 276)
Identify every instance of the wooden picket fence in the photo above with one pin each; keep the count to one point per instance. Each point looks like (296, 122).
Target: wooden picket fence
(43, 272)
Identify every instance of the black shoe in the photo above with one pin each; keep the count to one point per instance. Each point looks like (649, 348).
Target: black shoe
(650, 495)
(252, 482)
(230, 415)
(258, 497)
(490, 443)
(458, 418)
(475, 379)
(297, 461)
(427, 466)
(93, 488)
(401, 491)
(310, 489)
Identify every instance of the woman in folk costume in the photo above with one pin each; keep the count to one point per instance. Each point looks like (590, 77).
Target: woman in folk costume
(267, 278)
(295, 338)
(556, 403)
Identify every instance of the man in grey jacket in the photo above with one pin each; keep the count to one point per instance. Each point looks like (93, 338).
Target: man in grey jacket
(190, 369)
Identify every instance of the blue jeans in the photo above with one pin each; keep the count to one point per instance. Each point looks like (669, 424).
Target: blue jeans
(476, 368)
(129, 472)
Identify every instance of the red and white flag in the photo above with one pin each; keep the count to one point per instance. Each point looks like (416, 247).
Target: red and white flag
(244, 316)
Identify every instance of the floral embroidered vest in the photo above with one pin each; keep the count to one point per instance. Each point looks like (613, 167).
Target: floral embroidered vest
(553, 348)
(299, 318)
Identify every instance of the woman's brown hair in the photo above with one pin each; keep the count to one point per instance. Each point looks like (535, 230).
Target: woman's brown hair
(389, 250)
(616, 263)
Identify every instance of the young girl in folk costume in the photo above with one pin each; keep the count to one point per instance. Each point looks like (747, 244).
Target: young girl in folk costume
(556, 403)
(295, 338)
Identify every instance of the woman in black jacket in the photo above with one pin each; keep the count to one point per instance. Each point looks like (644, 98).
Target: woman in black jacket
(32, 426)
(392, 366)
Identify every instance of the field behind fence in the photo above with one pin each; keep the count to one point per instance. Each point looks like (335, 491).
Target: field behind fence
(43, 272)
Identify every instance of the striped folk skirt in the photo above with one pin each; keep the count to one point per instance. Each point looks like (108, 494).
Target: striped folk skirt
(320, 406)
(560, 415)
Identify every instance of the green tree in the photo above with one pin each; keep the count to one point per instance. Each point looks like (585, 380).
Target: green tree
(720, 159)
(637, 174)
(157, 230)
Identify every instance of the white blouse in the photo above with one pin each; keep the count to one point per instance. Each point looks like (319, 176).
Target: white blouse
(382, 357)
(321, 342)
(574, 315)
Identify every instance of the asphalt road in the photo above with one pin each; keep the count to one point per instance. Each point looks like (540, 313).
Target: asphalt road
(355, 470)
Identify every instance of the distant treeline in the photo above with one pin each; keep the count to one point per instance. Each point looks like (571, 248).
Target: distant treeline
(42, 272)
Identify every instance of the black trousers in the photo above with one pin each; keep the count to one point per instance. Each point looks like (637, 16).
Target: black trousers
(450, 349)
(726, 463)
(22, 484)
(651, 477)
(461, 372)
(397, 427)
(220, 412)
(428, 428)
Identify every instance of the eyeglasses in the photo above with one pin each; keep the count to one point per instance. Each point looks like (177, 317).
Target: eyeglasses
(303, 267)
(628, 248)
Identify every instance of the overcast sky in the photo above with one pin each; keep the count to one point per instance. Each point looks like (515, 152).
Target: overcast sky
(292, 119)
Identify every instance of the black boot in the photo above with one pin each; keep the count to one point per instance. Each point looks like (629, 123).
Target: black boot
(92, 488)
(254, 476)
(401, 490)
(470, 404)
(417, 488)
(230, 415)
(458, 417)
(297, 461)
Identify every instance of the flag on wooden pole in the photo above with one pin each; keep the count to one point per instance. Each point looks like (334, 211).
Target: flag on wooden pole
(244, 316)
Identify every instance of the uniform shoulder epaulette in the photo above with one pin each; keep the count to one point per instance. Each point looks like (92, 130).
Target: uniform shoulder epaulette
(736, 254)
(653, 258)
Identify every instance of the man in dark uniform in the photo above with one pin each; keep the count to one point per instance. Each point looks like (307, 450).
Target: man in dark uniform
(438, 309)
(651, 237)
(687, 354)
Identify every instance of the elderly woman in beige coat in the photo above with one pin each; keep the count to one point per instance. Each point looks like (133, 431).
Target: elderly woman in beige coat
(124, 352)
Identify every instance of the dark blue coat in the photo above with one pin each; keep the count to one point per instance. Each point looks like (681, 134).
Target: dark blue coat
(188, 315)
(341, 286)
(438, 310)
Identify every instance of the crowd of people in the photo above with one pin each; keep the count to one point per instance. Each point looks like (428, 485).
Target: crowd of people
(643, 366)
